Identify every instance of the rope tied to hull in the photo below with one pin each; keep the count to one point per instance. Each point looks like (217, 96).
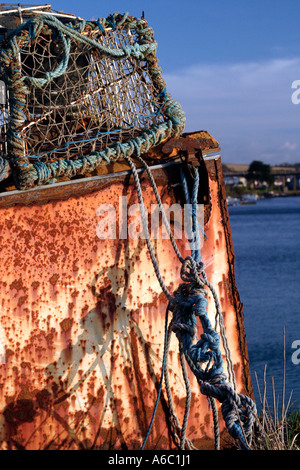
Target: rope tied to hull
(188, 304)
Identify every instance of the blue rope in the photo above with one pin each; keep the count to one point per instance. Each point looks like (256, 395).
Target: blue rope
(196, 254)
(188, 303)
(112, 22)
(100, 26)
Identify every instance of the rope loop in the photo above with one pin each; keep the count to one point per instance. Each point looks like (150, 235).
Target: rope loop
(192, 270)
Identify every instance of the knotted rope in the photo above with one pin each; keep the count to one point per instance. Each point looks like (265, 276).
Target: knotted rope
(189, 304)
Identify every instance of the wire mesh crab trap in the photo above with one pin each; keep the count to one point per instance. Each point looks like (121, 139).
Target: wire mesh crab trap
(80, 94)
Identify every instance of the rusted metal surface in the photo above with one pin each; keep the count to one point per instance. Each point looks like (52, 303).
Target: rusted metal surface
(82, 320)
(189, 142)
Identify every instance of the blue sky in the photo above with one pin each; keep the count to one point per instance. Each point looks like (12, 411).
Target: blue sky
(231, 65)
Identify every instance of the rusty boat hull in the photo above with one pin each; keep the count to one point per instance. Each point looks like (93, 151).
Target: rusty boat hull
(83, 318)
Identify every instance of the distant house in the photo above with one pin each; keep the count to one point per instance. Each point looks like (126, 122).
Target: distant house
(285, 177)
(235, 181)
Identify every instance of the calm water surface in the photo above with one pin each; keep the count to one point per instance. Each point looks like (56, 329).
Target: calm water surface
(266, 238)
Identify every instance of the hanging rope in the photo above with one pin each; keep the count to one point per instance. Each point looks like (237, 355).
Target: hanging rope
(188, 304)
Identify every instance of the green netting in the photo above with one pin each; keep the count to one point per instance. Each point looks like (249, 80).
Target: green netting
(81, 94)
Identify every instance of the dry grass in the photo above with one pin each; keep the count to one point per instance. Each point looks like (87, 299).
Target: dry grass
(280, 425)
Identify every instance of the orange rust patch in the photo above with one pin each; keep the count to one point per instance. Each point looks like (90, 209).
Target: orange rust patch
(17, 284)
(66, 324)
(35, 284)
(22, 300)
(53, 279)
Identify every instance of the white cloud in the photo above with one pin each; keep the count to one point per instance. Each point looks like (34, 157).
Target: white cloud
(247, 107)
(290, 146)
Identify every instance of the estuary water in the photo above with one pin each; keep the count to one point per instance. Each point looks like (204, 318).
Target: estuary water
(266, 239)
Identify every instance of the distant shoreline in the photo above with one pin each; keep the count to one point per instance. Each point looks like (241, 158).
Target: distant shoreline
(252, 197)
(238, 192)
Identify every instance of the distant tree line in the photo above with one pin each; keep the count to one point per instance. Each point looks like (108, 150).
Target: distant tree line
(261, 172)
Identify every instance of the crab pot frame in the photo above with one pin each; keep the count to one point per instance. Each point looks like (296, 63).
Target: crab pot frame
(81, 94)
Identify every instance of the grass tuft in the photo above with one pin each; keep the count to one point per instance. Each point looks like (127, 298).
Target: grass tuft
(280, 426)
